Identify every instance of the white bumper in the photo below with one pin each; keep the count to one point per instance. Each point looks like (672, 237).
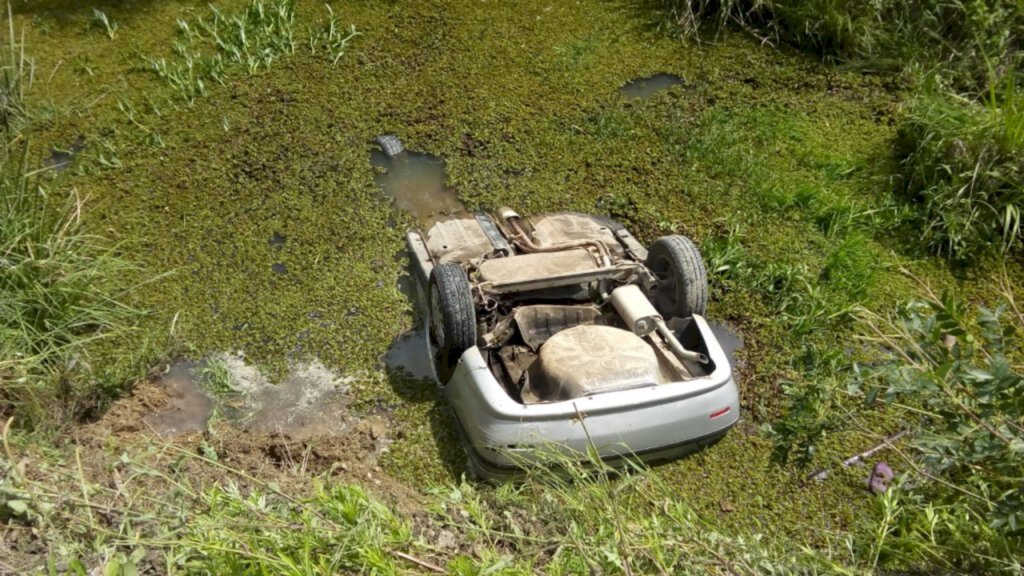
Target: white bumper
(654, 423)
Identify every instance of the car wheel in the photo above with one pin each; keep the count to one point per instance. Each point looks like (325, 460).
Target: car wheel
(682, 289)
(452, 323)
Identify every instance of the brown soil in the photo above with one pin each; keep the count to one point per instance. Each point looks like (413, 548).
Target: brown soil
(244, 454)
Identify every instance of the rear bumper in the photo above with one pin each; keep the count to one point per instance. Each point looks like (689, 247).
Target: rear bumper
(654, 423)
(488, 469)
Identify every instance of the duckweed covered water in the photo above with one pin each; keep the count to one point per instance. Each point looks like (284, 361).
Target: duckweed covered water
(261, 226)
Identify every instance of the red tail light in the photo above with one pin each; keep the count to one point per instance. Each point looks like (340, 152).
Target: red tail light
(721, 412)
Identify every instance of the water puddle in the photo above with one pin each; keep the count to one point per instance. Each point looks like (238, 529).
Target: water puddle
(59, 159)
(311, 401)
(277, 240)
(414, 182)
(646, 87)
(408, 355)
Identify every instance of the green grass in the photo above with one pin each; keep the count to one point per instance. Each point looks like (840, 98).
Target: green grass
(59, 293)
(776, 165)
(566, 520)
(962, 166)
(960, 131)
(251, 41)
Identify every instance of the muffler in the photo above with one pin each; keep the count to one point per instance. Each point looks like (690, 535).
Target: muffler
(643, 319)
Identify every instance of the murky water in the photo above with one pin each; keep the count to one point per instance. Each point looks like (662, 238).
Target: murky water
(409, 355)
(311, 401)
(646, 87)
(61, 159)
(415, 183)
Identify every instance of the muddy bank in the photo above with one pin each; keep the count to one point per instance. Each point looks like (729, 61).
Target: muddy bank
(347, 449)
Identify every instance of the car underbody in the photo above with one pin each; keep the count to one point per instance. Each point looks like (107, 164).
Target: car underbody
(566, 317)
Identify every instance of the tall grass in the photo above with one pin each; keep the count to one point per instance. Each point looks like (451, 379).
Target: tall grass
(55, 279)
(965, 37)
(16, 71)
(962, 162)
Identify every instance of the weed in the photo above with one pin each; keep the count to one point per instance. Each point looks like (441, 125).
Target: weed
(725, 255)
(16, 73)
(216, 378)
(330, 39)
(100, 20)
(959, 372)
(948, 373)
(251, 40)
(55, 279)
(966, 38)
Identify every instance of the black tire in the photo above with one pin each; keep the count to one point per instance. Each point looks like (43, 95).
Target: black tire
(390, 144)
(682, 279)
(452, 321)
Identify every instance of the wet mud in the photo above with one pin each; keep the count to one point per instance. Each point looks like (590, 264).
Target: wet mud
(188, 407)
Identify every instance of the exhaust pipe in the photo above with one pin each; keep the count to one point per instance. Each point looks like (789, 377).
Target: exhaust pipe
(522, 239)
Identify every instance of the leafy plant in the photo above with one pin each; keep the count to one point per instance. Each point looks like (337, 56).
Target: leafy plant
(957, 371)
(952, 376)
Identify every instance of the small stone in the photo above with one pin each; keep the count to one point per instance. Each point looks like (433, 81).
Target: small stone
(446, 540)
(881, 475)
(377, 429)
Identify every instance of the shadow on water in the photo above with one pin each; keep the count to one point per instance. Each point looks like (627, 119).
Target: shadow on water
(646, 87)
(728, 337)
(60, 159)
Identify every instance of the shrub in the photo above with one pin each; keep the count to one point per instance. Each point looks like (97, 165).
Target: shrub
(958, 371)
(968, 39)
(962, 162)
(951, 375)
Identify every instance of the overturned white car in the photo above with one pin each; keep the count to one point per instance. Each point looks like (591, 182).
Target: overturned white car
(561, 330)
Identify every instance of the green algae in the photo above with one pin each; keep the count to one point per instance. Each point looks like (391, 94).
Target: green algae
(522, 102)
